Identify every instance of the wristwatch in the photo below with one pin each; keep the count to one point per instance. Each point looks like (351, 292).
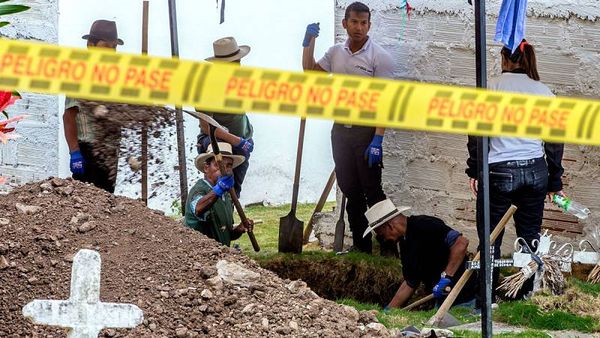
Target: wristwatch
(445, 275)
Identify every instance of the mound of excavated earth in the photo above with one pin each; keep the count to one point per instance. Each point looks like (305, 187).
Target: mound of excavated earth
(186, 284)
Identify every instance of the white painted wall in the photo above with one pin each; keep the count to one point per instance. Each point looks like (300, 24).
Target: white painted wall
(274, 30)
(33, 156)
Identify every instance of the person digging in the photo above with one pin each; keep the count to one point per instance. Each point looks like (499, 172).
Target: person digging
(431, 252)
(210, 209)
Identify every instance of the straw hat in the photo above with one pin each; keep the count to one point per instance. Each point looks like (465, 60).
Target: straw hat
(225, 149)
(227, 50)
(382, 212)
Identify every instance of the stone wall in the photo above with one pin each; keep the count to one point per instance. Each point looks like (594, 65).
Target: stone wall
(34, 155)
(436, 44)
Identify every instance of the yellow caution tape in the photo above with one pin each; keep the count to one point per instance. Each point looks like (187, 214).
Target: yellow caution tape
(97, 74)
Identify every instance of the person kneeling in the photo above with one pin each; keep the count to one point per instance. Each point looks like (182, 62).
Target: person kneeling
(431, 252)
(209, 206)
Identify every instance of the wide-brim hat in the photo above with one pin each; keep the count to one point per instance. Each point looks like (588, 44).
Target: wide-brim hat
(226, 151)
(382, 212)
(104, 30)
(227, 50)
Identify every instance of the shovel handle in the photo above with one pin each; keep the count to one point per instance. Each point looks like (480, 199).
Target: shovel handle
(441, 312)
(424, 300)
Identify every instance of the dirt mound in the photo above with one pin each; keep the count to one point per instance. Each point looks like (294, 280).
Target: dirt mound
(149, 260)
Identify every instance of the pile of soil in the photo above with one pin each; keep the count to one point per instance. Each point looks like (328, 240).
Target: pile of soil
(150, 260)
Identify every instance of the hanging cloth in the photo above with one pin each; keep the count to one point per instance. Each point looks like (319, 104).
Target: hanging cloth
(510, 29)
(222, 19)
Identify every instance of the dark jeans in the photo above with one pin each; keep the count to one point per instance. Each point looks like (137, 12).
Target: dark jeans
(524, 184)
(239, 172)
(360, 184)
(100, 172)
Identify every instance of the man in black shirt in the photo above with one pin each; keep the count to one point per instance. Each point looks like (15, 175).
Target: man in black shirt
(431, 252)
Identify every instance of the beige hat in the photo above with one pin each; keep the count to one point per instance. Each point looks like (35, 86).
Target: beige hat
(382, 212)
(227, 50)
(225, 149)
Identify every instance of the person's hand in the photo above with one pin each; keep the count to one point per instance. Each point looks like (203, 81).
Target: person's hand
(224, 184)
(439, 290)
(312, 31)
(374, 152)
(559, 193)
(249, 227)
(246, 146)
(76, 163)
(473, 186)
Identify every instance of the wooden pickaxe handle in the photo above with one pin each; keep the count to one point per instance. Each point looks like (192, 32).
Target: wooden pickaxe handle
(441, 312)
(424, 300)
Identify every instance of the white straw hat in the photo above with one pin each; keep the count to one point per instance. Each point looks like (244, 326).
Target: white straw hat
(227, 50)
(380, 213)
(225, 149)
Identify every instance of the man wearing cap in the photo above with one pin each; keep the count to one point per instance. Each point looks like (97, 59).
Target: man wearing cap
(81, 125)
(431, 252)
(239, 130)
(209, 207)
(357, 150)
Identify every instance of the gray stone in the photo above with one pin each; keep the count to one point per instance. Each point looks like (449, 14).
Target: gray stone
(4, 263)
(87, 226)
(236, 274)
(27, 209)
(4, 221)
(206, 294)
(181, 332)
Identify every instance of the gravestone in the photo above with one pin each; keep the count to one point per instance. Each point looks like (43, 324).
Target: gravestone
(83, 313)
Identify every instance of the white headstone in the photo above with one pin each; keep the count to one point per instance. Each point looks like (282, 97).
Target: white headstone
(83, 313)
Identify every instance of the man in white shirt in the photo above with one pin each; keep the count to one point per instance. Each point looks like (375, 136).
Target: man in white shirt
(357, 150)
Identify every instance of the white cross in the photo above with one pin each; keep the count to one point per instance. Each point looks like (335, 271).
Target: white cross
(83, 313)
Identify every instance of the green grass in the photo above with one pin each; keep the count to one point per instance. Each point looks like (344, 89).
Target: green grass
(526, 314)
(585, 287)
(526, 334)
(267, 233)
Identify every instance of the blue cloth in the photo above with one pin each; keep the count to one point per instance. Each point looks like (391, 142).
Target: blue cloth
(438, 289)
(510, 29)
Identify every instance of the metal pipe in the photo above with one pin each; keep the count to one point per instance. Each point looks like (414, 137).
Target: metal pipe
(183, 186)
(144, 126)
(483, 147)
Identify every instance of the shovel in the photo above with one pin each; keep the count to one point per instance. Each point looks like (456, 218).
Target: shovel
(290, 227)
(340, 228)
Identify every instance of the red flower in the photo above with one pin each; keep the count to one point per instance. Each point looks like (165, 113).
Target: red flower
(6, 99)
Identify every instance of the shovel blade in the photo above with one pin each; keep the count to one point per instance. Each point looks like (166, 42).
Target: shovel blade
(447, 321)
(291, 232)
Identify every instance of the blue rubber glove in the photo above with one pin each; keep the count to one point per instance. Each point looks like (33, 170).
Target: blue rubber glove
(374, 152)
(76, 163)
(312, 31)
(224, 184)
(246, 146)
(438, 289)
(386, 309)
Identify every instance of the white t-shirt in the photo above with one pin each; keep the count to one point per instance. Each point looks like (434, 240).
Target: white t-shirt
(371, 60)
(512, 148)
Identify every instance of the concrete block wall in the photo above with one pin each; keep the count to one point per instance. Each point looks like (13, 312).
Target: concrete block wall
(34, 155)
(436, 44)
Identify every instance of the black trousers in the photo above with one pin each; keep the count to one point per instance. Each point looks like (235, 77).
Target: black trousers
(524, 184)
(360, 184)
(101, 172)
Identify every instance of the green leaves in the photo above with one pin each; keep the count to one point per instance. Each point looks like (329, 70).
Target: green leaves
(10, 9)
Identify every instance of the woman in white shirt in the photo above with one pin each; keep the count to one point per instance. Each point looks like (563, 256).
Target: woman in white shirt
(522, 171)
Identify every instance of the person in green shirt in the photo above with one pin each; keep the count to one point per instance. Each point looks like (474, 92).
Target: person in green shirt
(209, 206)
(239, 130)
